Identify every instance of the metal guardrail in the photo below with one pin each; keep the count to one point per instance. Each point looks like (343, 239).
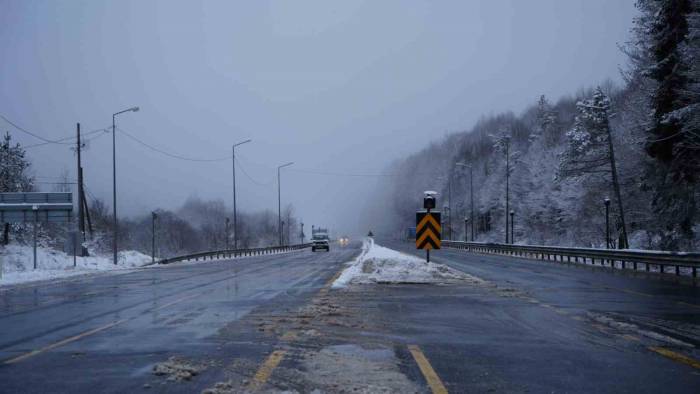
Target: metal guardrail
(233, 253)
(612, 258)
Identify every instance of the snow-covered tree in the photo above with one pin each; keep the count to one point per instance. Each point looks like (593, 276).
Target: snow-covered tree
(546, 120)
(14, 167)
(591, 150)
(673, 136)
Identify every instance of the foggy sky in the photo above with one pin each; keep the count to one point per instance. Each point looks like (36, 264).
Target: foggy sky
(337, 87)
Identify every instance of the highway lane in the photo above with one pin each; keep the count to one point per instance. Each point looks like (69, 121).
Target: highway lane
(272, 323)
(107, 332)
(541, 326)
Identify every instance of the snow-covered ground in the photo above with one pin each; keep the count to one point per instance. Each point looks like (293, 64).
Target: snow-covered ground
(16, 262)
(377, 264)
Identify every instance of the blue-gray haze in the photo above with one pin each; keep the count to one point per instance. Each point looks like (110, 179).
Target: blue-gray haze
(337, 87)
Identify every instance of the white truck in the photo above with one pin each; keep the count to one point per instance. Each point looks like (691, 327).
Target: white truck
(320, 239)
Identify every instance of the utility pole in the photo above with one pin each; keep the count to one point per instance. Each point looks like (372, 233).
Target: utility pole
(279, 201)
(235, 212)
(154, 216)
(302, 233)
(81, 211)
(87, 212)
(624, 242)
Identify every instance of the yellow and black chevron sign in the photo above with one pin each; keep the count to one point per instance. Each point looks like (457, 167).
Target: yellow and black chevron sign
(427, 230)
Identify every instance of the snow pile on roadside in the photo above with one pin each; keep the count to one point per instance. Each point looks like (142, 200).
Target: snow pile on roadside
(377, 264)
(17, 264)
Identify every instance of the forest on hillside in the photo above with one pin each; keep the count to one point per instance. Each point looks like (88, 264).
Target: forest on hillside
(555, 164)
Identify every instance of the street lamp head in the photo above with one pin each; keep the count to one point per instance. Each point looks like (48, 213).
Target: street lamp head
(242, 142)
(512, 213)
(134, 109)
(606, 201)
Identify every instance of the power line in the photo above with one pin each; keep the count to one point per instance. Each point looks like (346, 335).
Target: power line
(172, 155)
(48, 141)
(195, 159)
(251, 178)
(348, 174)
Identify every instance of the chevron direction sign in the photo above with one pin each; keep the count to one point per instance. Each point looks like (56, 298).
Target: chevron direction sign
(427, 230)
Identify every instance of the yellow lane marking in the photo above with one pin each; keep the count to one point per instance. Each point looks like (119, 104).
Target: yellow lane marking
(630, 337)
(265, 370)
(431, 377)
(89, 332)
(63, 342)
(675, 356)
(289, 336)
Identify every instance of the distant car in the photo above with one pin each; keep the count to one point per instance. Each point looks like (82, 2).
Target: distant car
(344, 240)
(320, 240)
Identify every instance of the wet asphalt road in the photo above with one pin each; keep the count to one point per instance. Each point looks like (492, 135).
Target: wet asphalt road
(531, 326)
(105, 333)
(549, 327)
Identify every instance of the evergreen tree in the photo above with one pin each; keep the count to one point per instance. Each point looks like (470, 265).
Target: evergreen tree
(672, 173)
(14, 168)
(591, 151)
(546, 120)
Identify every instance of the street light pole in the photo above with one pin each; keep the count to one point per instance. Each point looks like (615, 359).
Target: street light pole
(227, 222)
(466, 227)
(114, 179)
(449, 195)
(512, 227)
(279, 201)
(606, 201)
(471, 197)
(235, 213)
(507, 185)
(154, 216)
(289, 226)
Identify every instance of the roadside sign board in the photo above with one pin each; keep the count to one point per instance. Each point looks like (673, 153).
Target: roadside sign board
(428, 230)
(40, 207)
(36, 207)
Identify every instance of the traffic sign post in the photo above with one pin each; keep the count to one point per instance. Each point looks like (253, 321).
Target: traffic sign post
(428, 226)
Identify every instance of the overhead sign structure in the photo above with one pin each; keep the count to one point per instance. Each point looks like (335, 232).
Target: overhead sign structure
(428, 230)
(36, 207)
